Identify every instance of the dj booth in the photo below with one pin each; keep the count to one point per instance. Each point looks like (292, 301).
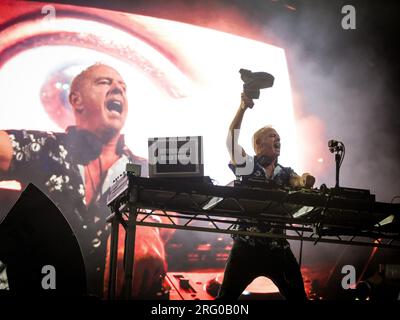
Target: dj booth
(338, 215)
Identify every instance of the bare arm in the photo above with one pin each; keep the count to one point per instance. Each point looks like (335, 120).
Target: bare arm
(235, 150)
(6, 151)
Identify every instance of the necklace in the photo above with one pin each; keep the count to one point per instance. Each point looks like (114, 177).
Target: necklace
(96, 189)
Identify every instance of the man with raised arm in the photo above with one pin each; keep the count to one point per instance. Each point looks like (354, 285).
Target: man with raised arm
(252, 257)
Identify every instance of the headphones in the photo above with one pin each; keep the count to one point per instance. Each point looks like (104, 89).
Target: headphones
(264, 161)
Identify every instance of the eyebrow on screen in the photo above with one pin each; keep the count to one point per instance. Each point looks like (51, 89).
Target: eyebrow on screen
(109, 79)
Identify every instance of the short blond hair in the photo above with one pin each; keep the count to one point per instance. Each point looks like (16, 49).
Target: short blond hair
(258, 134)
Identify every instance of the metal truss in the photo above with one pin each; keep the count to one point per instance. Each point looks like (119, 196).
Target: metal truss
(310, 233)
(309, 215)
(322, 224)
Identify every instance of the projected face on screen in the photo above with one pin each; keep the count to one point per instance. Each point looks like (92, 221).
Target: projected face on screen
(182, 79)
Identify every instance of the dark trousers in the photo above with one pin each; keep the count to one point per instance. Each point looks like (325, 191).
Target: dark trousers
(246, 262)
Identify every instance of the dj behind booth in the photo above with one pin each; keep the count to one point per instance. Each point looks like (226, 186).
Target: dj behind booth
(191, 202)
(263, 207)
(178, 190)
(178, 196)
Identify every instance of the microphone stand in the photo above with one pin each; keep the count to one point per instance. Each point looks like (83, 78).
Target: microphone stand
(338, 148)
(337, 160)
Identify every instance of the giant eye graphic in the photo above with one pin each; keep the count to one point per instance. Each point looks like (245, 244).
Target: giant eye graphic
(60, 48)
(181, 79)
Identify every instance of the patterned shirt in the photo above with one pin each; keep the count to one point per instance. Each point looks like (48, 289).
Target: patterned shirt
(49, 160)
(281, 177)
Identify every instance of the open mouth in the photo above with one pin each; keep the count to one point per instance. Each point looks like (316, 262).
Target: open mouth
(114, 106)
(277, 145)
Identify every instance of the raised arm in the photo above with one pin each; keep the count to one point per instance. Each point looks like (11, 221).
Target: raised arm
(235, 150)
(6, 151)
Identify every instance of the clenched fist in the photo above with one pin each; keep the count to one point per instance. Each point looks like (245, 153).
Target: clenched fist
(246, 102)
